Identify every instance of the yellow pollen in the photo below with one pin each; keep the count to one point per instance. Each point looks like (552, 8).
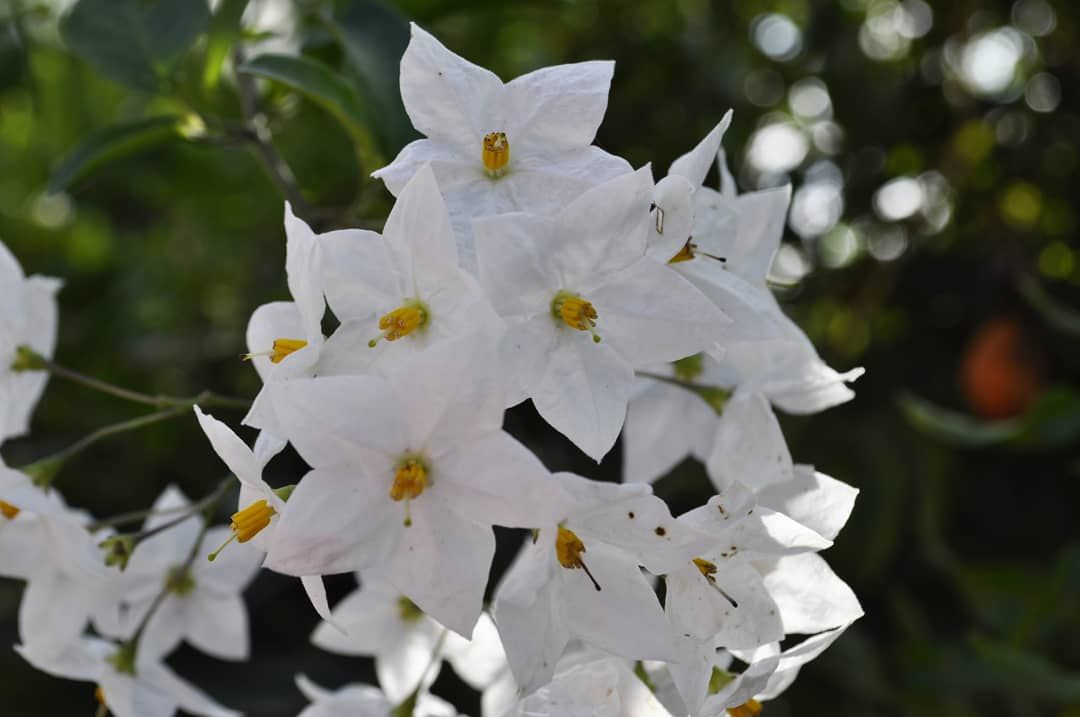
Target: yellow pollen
(685, 254)
(568, 550)
(99, 694)
(750, 708)
(247, 523)
(707, 569)
(8, 510)
(495, 153)
(281, 348)
(402, 321)
(409, 481)
(575, 312)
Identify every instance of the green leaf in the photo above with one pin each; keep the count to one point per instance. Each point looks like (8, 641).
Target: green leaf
(322, 85)
(374, 38)
(224, 31)
(1053, 420)
(111, 143)
(133, 42)
(1060, 317)
(1027, 673)
(954, 427)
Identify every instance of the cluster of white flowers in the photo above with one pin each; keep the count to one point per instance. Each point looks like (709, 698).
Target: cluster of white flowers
(519, 262)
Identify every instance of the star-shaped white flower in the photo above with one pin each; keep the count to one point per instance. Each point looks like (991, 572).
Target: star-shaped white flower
(580, 579)
(28, 317)
(285, 338)
(584, 306)
(410, 472)
(408, 646)
(132, 685)
(203, 605)
(400, 291)
(496, 147)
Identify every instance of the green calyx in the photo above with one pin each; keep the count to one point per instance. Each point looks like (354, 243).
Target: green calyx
(118, 550)
(123, 660)
(180, 581)
(26, 359)
(719, 679)
(689, 368)
(408, 610)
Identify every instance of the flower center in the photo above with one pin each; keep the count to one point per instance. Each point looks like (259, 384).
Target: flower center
(690, 367)
(410, 480)
(750, 708)
(247, 523)
(402, 321)
(280, 349)
(575, 312)
(495, 153)
(568, 551)
(8, 510)
(180, 581)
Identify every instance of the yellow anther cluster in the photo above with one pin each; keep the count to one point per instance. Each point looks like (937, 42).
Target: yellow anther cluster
(751, 708)
(402, 321)
(409, 480)
(247, 523)
(568, 550)
(685, 254)
(575, 312)
(495, 152)
(284, 347)
(8, 510)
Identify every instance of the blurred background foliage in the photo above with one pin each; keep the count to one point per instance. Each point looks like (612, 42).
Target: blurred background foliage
(146, 147)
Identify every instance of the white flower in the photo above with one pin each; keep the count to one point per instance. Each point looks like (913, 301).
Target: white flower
(401, 291)
(358, 700)
(203, 605)
(132, 685)
(519, 146)
(377, 620)
(285, 338)
(410, 473)
(28, 317)
(585, 306)
(580, 579)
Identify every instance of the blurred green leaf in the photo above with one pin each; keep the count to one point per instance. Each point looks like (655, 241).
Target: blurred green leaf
(1053, 420)
(224, 30)
(111, 143)
(953, 426)
(133, 42)
(323, 86)
(1060, 317)
(374, 38)
(1027, 673)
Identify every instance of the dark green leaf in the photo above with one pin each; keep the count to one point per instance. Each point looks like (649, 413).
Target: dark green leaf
(132, 42)
(111, 143)
(954, 427)
(316, 81)
(1060, 317)
(1027, 673)
(374, 37)
(1053, 420)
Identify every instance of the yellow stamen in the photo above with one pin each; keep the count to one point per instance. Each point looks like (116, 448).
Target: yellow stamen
(402, 321)
(568, 550)
(575, 312)
(495, 153)
(247, 523)
(708, 571)
(281, 349)
(685, 254)
(750, 708)
(409, 480)
(8, 510)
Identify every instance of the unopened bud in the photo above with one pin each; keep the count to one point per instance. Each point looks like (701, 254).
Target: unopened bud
(118, 550)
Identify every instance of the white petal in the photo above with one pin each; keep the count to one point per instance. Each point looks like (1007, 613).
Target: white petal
(695, 164)
(442, 564)
(370, 618)
(762, 216)
(513, 269)
(750, 446)
(673, 217)
(550, 181)
(302, 268)
(420, 221)
(750, 682)
(558, 107)
(814, 499)
(664, 425)
(746, 617)
(650, 314)
(330, 420)
(233, 451)
(80, 660)
(602, 231)
(495, 480)
(623, 617)
(480, 660)
(446, 96)
(315, 589)
(53, 613)
(403, 664)
(189, 697)
(584, 392)
(523, 355)
(361, 274)
(276, 320)
(810, 595)
(335, 521)
(219, 627)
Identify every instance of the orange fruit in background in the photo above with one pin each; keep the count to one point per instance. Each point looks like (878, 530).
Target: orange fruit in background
(1000, 373)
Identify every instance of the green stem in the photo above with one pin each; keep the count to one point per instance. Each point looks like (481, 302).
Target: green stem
(184, 511)
(35, 361)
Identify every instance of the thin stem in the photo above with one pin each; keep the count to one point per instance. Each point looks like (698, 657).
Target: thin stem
(111, 430)
(184, 512)
(260, 141)
(672, 380)
(206, 398)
